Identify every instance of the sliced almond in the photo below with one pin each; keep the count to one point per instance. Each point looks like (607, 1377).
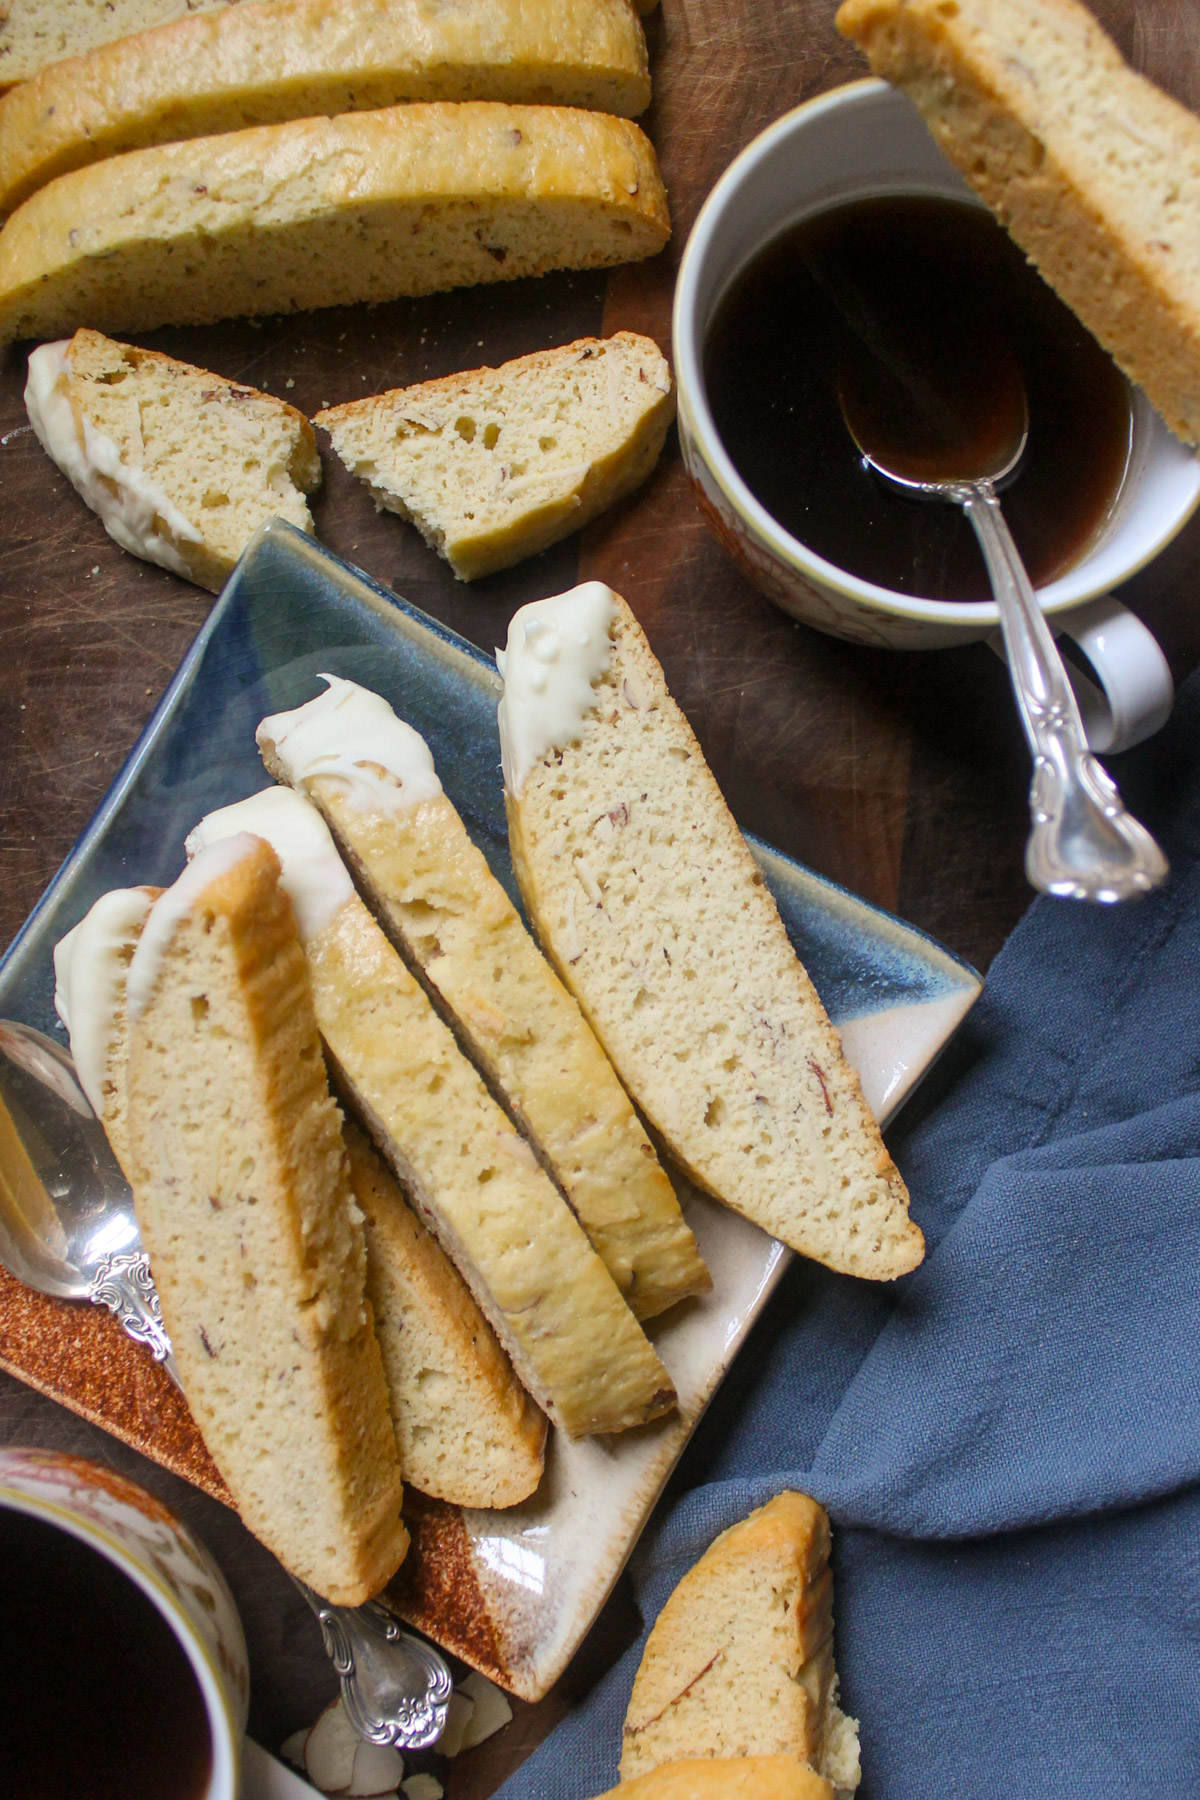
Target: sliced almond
(492, 1710)
(422, 1787)
(329, 1752)
(378, 1769)
(458, 1717)
(292, 1749)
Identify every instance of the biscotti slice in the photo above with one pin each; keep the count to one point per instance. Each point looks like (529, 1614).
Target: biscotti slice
(654, 912)
(740, 1660)
(182, 466)
(467, 1431)
(242, 1193)
(495, 464)
(34, 33)
(91, 965)
(326, 212)
(373, 778)
(726, 1778)
(257, 64)
(1090, 167)
(466, 1169)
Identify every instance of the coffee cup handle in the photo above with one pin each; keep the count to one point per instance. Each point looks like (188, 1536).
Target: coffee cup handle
(1135, 693)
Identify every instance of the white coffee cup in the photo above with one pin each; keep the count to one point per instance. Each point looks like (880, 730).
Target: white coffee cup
(864, 139)
(157, 1553)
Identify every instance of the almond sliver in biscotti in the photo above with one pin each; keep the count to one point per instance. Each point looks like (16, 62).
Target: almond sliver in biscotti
(654, 912)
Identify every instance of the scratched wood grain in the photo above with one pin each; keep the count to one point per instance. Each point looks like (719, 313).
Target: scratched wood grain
(901, 775)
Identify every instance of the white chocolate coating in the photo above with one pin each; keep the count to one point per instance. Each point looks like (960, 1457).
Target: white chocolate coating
(172, 906)
(557, 651)
(136, 513)
(91, 965)
(353, 734)
(314, 875)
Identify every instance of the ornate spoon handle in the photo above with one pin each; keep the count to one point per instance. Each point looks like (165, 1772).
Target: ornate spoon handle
(394, 1687)
(1083, 844)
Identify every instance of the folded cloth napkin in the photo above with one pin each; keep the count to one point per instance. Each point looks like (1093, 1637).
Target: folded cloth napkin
(1009, 1439)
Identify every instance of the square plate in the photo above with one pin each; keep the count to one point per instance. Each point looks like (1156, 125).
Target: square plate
(511, 1592)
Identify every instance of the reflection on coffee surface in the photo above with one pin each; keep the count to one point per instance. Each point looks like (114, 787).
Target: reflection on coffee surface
(97, 1697)
(925, 302)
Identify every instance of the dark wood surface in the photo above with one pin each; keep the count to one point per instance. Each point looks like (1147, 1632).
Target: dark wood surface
(901, 775)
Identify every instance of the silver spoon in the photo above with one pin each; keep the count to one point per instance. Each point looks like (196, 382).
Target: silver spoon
(68, 1228)
(1083, 844)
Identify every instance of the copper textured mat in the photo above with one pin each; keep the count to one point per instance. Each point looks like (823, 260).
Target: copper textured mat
(79, 1355)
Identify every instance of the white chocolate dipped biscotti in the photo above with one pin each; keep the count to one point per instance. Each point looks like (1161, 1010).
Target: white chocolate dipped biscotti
(470, 1174)
(328, 212)
(373, 778)
(260, 63)
(740, 1660)
(495, 464)
(466, 1430)
(243, 1198)
(181, 465)
(654, 912)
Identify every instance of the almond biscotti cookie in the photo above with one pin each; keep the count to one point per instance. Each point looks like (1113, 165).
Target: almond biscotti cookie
(467, 1170)
(1091, 168)
(740, 1660)
(656, 916)
(242, 1193)
(373, 778)
(255, 64)
(493, 465)
(181, 465)
(328, 212)
(726, 1778)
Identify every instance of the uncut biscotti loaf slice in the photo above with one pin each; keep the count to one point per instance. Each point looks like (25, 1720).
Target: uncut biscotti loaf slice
(495, 464)
(466, 1169)
(326, 212)
(726, 1778)
(740, 1660)
(1090, 166)
(242, 1193)
(91, 965)
(182, 466)
(653, 910)
(257, 64)
(34, 33)
(373, 778)
(467, 1431)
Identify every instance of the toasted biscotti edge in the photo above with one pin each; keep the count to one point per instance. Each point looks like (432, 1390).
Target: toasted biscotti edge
(726, 1778)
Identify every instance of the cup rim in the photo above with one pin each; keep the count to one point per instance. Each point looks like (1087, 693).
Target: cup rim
(225, 1745)
(697, 421)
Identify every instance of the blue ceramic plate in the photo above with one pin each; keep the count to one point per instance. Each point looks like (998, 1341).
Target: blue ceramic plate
(291, 612)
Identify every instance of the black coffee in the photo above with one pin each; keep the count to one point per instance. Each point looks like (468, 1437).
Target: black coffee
(919, 301)
(97, 1699)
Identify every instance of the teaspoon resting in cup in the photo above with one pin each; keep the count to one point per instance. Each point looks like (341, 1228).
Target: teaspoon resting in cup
(959, 440)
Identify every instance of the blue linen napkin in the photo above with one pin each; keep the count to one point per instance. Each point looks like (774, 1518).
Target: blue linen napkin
(1009, 1439)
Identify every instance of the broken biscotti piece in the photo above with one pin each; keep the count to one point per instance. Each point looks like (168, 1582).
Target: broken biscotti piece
(1090, 167)
(35, 33)
(373, 778)
(304, 59)
(726, 1778)
(653, 910)
(243, 1197)
(467, 1431)
(740, 1660)
(182, 466)
(470, 1174)
(91, 966)
(495, 464)
(327, 212)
